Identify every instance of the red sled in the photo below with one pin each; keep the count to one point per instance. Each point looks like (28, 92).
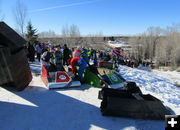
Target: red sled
(59, 79)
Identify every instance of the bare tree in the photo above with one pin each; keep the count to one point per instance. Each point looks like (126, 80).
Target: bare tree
(47, 34)
(20, 13)
(153, 37)
(74, 31)
(74, 34)
(65, 34)
(95, 41)
(139, 46)
(71, 35)
(160, 45)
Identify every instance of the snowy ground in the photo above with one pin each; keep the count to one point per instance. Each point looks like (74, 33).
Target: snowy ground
(78, 108)
(174, 76)
(161, 87)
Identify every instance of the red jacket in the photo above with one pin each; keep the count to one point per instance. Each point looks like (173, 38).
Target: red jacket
(73, 62)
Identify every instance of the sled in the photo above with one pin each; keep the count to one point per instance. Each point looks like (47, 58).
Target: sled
(118, 52)
(129, 87)
(103, 77)
(125, 103)
(58, 79)
(106, 64)
(94, 79)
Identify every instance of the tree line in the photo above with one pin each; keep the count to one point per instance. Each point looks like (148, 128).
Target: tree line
(160, 45)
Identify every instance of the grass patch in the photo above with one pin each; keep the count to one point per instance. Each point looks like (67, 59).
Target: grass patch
(177, 85)
(172, 68)
(166, 68)
(36, 74)
(169, 68)
(178, 69)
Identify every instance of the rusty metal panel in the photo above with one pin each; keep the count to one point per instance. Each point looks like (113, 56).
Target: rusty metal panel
(5, 74)
(9, 38)
(14, 67)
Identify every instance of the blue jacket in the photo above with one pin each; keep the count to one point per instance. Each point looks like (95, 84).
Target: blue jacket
(85, 55)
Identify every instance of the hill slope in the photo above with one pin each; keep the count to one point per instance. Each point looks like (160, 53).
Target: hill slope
(78, 108)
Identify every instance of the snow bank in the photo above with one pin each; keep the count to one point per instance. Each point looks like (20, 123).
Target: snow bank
(78, 108)
(39, 108)
(174, 76)
(160, 87)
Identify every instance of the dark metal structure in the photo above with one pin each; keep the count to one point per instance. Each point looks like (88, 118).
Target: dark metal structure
(14, 67)
(125, 103)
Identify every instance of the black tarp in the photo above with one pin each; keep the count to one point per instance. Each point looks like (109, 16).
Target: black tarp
(134, 105)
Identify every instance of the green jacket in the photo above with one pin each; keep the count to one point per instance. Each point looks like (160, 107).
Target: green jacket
(58, 57)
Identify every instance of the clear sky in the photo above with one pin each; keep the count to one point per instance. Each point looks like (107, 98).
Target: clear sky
(91, 16)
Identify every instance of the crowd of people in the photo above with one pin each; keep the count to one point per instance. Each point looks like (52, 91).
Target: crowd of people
(63, 54)
(55, 57)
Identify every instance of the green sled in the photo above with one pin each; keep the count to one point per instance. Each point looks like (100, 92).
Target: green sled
(92, 79)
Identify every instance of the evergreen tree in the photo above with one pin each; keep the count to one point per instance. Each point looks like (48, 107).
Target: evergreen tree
(31, 35)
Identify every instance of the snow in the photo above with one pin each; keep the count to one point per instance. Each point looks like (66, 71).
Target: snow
(118, 44)
(78, 108)
(148, 68)
(158, 86)
(174, 76)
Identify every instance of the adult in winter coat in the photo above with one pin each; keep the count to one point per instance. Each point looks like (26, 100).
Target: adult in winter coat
(46, 61)
(43, 48)
(59, 59)
(65, 54)
(81, 63)
(38, 51)
(70, 57)
(84, 55)
(45, 58)
(94, 57)
(31, 52)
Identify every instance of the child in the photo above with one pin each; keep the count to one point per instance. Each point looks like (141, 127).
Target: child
(81, 63)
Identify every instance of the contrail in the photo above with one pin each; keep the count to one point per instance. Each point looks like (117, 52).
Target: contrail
(62, 6)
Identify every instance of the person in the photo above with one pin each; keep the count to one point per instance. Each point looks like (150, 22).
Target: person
(50, 46)
(81, 63)
(52, 56)
(45, 58)
(94, 57)
(85, 55)
(31, 52)
(101, 55)
(38, 51)
(59, 59)
(89, 54)
(108, 57)
(70, 56)
(65, 54)
(47, 62)
(77, 52)
(43, 48)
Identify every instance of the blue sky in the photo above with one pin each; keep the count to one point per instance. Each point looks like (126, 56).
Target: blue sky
(125, 17)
